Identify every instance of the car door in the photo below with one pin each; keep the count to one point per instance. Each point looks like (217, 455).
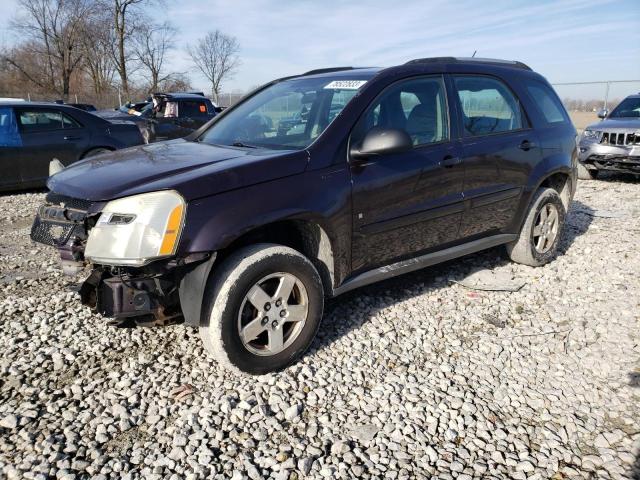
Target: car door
(167, 124)
(406, 203)
(499, 150)
(10, 151)
(48, 133)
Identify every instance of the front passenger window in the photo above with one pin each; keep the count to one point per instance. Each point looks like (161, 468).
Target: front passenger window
(417, 106)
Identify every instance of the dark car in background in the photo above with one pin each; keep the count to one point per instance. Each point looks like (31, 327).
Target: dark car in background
(244, 228)
(87, 107)
(167, 115)
(123, 111)
(32, 134)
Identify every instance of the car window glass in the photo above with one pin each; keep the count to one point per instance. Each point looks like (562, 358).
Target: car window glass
(488, 106)
(191, 108)
(628, 108)
(44, 120)
(286, 115)
(9, 135)
(170, 110)
(547, 102)
(68, 122)
(417, 106)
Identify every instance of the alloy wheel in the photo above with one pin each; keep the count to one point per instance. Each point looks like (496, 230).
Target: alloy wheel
(273, 314)
(545, 229)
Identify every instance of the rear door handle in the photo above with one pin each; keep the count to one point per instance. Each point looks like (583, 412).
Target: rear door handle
(526, 145)
(449, 161)
(71, 138)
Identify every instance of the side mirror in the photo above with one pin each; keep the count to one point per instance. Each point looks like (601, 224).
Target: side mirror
(380, 141)
(602, 113)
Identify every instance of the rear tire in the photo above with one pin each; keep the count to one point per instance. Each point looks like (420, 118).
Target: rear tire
(586, 174)
(261, 309)
(541, 232)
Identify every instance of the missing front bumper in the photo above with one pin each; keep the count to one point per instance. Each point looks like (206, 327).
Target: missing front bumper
(144, 300)
(618, 163)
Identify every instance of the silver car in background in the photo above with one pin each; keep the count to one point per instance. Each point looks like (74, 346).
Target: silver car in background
(613, 143)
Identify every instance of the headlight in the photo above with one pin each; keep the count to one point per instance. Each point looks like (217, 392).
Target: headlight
(591, 135)
(135, 230)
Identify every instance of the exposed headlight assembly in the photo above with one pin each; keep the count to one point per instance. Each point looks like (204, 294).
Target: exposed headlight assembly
(138, 229)
(591, 135)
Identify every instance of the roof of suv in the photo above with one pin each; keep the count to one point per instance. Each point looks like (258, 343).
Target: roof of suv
(182, 96)
(443, 62)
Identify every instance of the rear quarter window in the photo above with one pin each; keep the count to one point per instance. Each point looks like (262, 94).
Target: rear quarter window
(547, 102)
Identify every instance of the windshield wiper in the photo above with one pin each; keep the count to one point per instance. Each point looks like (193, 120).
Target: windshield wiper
(240, 144)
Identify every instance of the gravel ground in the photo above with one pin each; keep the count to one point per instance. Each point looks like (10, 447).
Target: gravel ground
(418, 377)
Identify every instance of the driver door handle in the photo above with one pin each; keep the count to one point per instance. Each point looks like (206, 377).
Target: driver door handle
(526, 145)
(449, 161)
(69, 137)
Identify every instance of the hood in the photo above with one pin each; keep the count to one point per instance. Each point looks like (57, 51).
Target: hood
(613, 123)
(193, 169)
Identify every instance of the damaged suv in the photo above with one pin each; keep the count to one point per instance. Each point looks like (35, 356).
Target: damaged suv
(614, 143)
(243, 228)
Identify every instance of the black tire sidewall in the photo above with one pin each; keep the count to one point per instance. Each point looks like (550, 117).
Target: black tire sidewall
(548, 196)
(236, 353)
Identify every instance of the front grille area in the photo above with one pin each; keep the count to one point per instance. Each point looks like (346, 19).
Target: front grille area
(619, 138)
(51, 233)
(60, 219)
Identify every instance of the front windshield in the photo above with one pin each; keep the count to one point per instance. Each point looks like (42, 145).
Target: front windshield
(288, 115)
(628, 108)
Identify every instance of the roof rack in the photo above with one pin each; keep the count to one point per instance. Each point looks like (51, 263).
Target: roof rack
(326, 70)
(487, 61)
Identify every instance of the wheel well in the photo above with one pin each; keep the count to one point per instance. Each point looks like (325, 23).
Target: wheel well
(307, 237)
(561, 183)
(111, 149)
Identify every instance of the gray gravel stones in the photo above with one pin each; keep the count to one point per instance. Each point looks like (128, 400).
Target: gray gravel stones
(413, 378)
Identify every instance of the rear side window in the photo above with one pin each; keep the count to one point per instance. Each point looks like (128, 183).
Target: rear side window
(45, 120)
(192, 108)
(547, 102)
(488, 106)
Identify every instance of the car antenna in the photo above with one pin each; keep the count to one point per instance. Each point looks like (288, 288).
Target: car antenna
(474, 53)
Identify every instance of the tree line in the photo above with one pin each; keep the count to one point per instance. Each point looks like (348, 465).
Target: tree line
(97, 47)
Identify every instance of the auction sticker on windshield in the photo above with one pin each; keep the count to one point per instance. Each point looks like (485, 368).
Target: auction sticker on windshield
(345, 84)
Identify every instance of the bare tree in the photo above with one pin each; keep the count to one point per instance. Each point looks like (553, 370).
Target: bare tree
(176, 82)
(97, 45)
(123, 28)
(216, 55)
(151, 45)
(52, 51)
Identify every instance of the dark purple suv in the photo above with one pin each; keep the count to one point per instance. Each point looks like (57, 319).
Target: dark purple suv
(311, 186)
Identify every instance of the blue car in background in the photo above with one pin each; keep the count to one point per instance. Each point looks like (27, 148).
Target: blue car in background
(32, 134)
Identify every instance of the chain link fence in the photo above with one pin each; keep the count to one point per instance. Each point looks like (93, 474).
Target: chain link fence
(584, 99)
(581, 99)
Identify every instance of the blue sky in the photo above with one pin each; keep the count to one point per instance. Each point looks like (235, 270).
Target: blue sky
(574, 40)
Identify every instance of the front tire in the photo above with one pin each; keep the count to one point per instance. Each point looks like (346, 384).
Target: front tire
(541, 232)
(262, 308)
